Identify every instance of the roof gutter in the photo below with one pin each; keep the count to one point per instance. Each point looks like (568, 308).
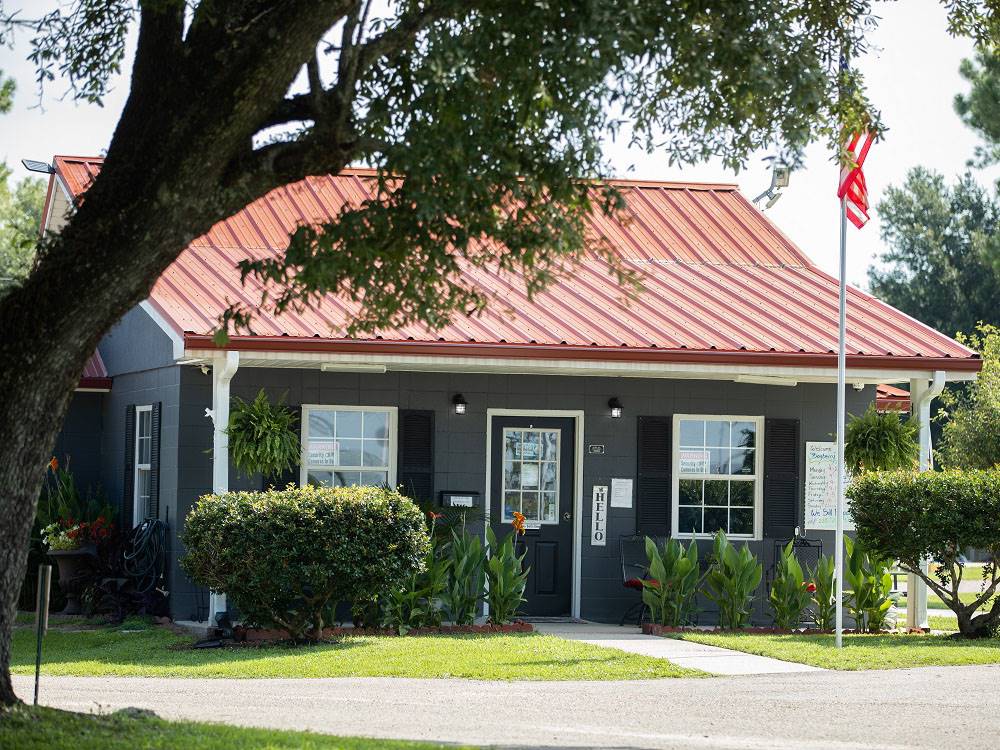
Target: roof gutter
(576, 352)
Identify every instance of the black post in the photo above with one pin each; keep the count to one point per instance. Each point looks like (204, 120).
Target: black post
(41, 617)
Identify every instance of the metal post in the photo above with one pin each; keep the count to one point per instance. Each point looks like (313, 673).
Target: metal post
(41, 617)
(841, 406)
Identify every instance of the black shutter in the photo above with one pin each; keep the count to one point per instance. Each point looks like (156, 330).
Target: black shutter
(154, 461)
(653, 477)
(128, 487)
(781, 478)
(416, 454)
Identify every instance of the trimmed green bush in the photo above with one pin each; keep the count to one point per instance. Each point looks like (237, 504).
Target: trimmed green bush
(285, 557)
(910, 516)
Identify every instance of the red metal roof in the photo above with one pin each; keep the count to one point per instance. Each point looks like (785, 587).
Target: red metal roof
(95, 375)
(721, 284)
(890, 398)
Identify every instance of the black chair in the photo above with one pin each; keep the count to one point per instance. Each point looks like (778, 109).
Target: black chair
(635, 568)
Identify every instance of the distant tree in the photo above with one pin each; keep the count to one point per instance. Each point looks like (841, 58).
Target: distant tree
(20, 216)
(980, 108)
(943, 252)
(971, 435)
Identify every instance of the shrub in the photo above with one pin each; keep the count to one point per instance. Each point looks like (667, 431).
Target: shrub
(732, 580)
(673, 581)
(911, 516)
(467, 577)
(880, 442)
(284, 556)
(790, 592)
(867, 575)
(262, 437)
(506, 576)
(824, 596)
(970, 438)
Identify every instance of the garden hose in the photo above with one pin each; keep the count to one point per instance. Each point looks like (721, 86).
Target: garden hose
(143, 554)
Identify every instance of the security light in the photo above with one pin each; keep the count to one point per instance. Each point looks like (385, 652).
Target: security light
(37, 166)
(460, 403)
(616, 407)
(780, 177)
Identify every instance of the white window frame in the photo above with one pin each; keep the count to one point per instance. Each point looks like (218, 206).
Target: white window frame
(758, 480)
(138, 467)
(558, 463)
(307, 409)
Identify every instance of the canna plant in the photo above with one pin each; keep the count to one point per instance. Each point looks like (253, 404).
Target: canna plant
(506, 575)
(673, 581)
(418, 602)
(732, 580)
(824, 596)
(867, 573)
(790, 592)
(466, 578)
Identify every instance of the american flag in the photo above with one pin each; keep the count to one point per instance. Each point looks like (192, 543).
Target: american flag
(852, 180)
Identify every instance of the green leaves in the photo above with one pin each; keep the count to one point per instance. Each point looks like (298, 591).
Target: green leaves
(867, 575)
(284, 556)
(970, 438)
(824, 598)
(467, 577)
(506, 578)
(262, 437)
(789, 595)
(673, 581)
(732, 580)
(880, 442)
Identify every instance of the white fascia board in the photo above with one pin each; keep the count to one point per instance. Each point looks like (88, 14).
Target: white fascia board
(176, 339)
(587, 368)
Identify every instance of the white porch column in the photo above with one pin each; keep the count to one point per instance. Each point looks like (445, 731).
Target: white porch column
(922, 392)
(224, 366)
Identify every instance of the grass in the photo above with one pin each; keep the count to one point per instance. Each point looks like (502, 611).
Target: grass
(860, 651)
(44, 728)
(966, 597)
(140, 650)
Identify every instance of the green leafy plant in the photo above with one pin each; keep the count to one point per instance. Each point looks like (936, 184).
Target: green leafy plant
(732, 580)
(262, 437)
(506, 577)
(824, 596)
(878, 441)
(418, 603)
(673, 581)
(284, 556)
(970, 437)
(867, 575)
(467, 577)
(61, 500)
(910, 517)
(790, 592)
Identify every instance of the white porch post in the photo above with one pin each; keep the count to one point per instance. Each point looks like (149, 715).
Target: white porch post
(224, 366)
(922, 392)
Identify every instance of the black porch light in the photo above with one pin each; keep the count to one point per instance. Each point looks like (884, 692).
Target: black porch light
(460, 403)
(616, 407)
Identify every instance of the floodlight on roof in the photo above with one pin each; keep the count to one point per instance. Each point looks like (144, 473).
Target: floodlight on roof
(38, 166)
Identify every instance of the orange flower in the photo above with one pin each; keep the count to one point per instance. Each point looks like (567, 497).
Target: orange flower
(518, 523)
(435, 516)
(54, 464)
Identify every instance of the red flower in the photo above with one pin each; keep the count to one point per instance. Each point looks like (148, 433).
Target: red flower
(54, 464)
(810, 587)
(435, 516)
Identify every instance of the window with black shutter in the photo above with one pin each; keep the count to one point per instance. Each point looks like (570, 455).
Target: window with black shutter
(154, 461)
(782, 473)
(128, 485)
(415, 465)
(653, 476)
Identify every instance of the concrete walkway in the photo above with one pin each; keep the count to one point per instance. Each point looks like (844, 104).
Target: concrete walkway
(932, 708)
(682, 653)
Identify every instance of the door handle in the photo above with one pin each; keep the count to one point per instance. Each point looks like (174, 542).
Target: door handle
(567, 516)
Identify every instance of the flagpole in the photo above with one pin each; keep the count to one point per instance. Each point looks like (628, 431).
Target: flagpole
(841, 406)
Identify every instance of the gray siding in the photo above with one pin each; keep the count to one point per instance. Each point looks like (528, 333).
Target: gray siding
(135, 344)
(78, 446)
(460, 441)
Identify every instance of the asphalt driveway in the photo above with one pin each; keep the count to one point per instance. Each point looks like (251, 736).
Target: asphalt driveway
(933, 707)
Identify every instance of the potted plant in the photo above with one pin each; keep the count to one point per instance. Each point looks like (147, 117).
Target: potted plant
(262, 437)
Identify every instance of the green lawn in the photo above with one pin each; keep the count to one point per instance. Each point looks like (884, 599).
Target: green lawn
(860, 651)
(966, 597)
(140, 650)
(44, 728)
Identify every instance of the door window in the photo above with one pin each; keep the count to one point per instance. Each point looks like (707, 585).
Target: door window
(531, 474)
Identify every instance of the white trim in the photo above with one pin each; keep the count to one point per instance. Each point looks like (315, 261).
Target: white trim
(136, 465)
(758, 495)
(392, 411)
(176, 339)
(583, 368)
(578, 416)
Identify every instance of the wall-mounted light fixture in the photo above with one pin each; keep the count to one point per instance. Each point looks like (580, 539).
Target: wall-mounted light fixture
(616, 407)
(460, 403)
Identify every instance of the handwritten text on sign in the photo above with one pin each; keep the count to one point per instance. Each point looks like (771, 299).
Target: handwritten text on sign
(821, 488)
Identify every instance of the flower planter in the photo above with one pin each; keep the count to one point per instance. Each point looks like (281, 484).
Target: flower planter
(75, 567)
(264, 635)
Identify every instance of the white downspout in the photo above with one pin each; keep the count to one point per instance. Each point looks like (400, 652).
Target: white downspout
(922, 393)
(224, 367)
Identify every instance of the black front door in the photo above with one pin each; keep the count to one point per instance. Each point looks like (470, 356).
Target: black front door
(532, 472)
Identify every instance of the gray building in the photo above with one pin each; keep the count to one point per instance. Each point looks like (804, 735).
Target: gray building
(684, 408)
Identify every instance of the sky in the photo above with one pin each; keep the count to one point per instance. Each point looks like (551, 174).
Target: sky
(912, 77)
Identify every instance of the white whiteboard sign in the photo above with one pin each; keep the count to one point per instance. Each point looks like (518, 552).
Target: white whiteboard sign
(821, 488)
